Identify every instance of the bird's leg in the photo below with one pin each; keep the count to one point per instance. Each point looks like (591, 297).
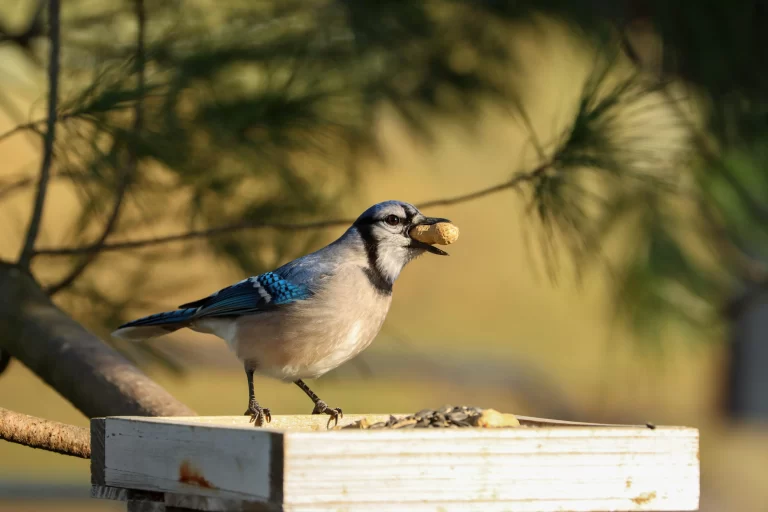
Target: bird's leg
(257, 413)
(320, 406)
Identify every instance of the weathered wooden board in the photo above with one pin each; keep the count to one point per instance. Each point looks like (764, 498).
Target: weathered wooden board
(224, 463)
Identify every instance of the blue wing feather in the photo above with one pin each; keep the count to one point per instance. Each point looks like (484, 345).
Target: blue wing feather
(252, 295)
(294, 281)
(281, 290)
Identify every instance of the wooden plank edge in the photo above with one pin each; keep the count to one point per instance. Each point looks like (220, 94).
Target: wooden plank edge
(176, 501)
(313, 421)
(98, 428)
(531, 421)
(106, 492)
(104, 429)
(276, 469)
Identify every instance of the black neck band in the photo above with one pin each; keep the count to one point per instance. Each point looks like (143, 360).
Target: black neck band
(372, 271)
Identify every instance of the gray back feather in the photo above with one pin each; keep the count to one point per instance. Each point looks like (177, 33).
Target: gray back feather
(312, 268)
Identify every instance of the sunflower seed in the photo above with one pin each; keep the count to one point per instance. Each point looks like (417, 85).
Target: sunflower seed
(458, 416)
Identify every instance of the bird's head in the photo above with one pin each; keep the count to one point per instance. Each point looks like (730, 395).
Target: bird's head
(384, 229)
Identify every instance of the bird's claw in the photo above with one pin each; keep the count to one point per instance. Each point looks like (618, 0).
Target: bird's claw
(258, 414)
(334, 412)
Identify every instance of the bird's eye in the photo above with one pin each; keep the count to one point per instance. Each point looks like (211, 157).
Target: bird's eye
(392, 220)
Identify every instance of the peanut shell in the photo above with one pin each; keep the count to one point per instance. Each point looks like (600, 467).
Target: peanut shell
(491, 418)
(442, 233)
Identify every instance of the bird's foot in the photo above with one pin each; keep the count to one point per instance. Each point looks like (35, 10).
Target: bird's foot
(259, 415)
(334, 412)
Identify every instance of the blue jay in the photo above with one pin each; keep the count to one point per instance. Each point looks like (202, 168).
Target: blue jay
(310, 315)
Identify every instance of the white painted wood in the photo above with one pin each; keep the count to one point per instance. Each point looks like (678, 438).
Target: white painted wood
(437, 505)
(593, 468)
(203, 460)
(577, 467)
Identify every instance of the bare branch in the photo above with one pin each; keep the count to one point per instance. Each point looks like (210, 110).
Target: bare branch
(5, 360)
(196, 234)
(15, 186)
(33, 126)
(83, 369)
(132, 165)
(514, 182)
(50, 135)
(45, 434)
(10, 109)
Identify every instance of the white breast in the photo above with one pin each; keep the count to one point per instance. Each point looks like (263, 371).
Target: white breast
(309, 338)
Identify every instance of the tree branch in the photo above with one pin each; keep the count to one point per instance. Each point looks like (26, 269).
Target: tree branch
(514, 182)
(12, 187)
(17, 185)
(50, 135)
(7, 105)
(22, 127)
(94, 377)
(132, 165)
(518, 179)
(35, 125)
(45, 434)
(5, 360)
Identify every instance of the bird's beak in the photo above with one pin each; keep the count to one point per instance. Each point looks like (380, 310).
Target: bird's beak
(417, 244)
(430, 220)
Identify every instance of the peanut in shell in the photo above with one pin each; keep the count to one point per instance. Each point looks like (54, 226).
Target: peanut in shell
(442, 233)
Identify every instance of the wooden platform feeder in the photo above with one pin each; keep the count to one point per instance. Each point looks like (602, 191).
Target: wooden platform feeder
(225, 464)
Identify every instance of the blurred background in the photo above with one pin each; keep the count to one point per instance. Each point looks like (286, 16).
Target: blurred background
(622, 281)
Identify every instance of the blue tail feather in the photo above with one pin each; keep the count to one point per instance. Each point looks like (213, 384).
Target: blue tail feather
(165, 318)
(155, 325)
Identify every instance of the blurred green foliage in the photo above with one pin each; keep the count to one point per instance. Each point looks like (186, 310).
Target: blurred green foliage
(258, 111)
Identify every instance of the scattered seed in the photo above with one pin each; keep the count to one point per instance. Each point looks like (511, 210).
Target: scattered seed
(447, 416)
(458, 416)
